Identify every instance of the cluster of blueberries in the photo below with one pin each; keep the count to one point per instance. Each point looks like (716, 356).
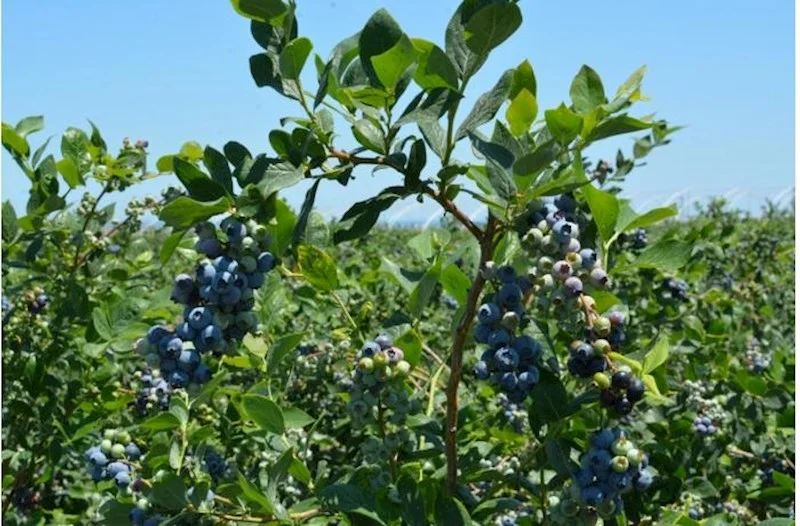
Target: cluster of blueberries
(139, 514)
(37, 300)
(756, 360)
(510, 360)
(611, 467)
(676, 289)
(637, 240)
(704, 426)
(378, 364)
(218, 298)
(770, 464)
(515, 414)
(153, 393)
(216, 465)
(111, 459)
(554, 231)
(623, 392)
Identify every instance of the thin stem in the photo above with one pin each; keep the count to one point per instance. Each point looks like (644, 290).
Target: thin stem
(451, 207)
(456, 356)
(346, 312)
(85, 225)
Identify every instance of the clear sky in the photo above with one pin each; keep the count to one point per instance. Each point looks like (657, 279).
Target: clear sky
(175, 71)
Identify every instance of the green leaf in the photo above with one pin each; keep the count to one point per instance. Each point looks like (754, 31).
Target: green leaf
(605, 210)
(264, 412)
(452, 513)
(421, 295)
(558, 456)
(523, 79)
(185, 212)
(253, 494)
(487, 105)
(305, 211)
(573, 178)
(362, 216)
(379, 35)
(536, 161)
(260, 10)
(30, 125)
(169, 246)
(198, 184)
(169, 492)
(668, 255)
(492, 507)
(295, 418)
(14, 142)
(279, 176)
(282, 347)
(217, 165)
(318, 268)
(455, 283)
(102, 324)
(586, 90)
(617, 126)
(162, 422)
(410, 343)
(648, 218)
(281, 228)
(66, 167)
(491, 26)
(522, 112)
(10, 224)
(656, 356)
(369, 135)
(626, 91)
(498, 166)
(563, 123)
(390, 65)
(294, 56)
(434, 67)
(75, 145)
(550, 400)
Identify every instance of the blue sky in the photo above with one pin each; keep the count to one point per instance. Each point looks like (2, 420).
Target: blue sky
(175, 71)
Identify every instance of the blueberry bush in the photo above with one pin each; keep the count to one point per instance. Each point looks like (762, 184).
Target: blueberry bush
(563, 359)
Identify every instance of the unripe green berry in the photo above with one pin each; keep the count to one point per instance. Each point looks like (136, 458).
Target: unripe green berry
(620, 464)
(622, 446)
(570, 507)
(403, 368)
(143, 504)
(124, 437)
(602, 326)
(380, 359)
(110, 434)
(635, 457)
(603, 382)
(601, 347)
(366, 365)
(510, 320)
(117, 451)
(105, 446)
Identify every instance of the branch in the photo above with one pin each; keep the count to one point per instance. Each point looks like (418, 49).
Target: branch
(451, 207)
(354, 159)
(456, 356)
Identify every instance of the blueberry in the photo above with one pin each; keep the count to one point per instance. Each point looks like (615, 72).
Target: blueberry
(506, 359)
(481, 370)
(583, 351)
(123, 479)
(384, 341)
(588, 258)
(563, 230)
(210, 247)
(507, 274)
(583, 477)
(598, 277)
(510, 294)
(623, 406)
(179, 378)
(155, 334)
(370, 349)
(573, 285)
(489, 313)
(202, 374)
(509, 381)
(265, 262)
(188, 360)
(255, 280)
(644, 480)
(98, 459)
(132, 451)
(499, 338)
(635, 390)
(621, 380)
(200, 317)
(482, 333)
(603, 438)
(116, 467)
(592, 495)
(529, 350)
(529, 378)
(173, 348)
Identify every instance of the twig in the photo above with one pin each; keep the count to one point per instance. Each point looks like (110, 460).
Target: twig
(451, 207)
(456, 357)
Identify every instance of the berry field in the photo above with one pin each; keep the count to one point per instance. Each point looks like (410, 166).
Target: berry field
(565, 358)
